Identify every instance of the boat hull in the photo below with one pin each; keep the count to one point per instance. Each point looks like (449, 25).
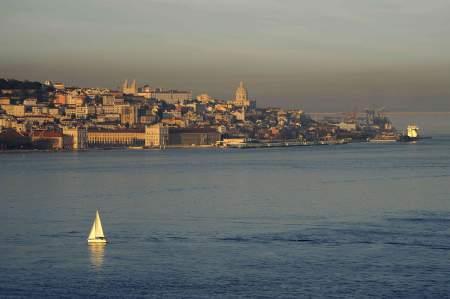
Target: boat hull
(382, 140)
(97, 241)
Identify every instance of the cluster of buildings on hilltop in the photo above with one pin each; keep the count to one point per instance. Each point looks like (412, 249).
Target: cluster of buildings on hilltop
(54, 116)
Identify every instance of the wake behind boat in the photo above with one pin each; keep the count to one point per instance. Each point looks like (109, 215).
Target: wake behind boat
(96, 236)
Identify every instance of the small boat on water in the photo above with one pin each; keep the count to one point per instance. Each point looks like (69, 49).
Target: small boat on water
(96, 236)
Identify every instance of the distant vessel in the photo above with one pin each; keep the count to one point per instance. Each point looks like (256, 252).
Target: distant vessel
(412, 134)
(385, 138)
(96, 235)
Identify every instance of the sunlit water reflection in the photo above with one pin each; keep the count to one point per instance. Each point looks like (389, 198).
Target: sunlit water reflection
(97, 255)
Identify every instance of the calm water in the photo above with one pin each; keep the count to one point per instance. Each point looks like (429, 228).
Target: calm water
(359, 220)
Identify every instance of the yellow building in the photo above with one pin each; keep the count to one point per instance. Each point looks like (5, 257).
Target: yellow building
(156, 135)
(122, 137)
(79, 136)
(77, 100)
(14, 110)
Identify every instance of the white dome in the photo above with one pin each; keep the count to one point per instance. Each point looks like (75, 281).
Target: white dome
(241, 93)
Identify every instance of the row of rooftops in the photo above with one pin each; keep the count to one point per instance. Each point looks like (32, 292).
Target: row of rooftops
(52, 133)
(171, 130)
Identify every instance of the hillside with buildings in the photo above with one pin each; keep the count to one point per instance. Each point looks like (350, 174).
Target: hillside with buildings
(50, 115)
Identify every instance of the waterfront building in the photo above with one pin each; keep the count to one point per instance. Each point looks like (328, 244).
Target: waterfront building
(193, 136)
(156, 135)
(118, 137)
(43, 139)
(12, 139)
(79, 135)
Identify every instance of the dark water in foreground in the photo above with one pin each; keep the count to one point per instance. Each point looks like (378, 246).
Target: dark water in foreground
(358, 220)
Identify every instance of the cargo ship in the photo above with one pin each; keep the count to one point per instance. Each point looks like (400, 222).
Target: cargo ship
(412, 134)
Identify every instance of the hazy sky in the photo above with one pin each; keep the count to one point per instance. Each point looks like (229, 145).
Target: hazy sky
(321, 55)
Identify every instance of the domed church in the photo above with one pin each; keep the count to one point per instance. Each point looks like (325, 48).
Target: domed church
(241, 96)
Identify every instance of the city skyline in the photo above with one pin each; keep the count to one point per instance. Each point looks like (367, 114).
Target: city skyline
(321, 56)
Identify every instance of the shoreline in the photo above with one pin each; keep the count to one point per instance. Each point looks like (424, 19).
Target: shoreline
(197, 147)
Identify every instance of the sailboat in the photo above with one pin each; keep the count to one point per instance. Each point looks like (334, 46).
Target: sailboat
(96, 235)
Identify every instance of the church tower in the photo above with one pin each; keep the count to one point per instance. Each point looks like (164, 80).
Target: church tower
(133, 89)
(129, 89)
(124, 86)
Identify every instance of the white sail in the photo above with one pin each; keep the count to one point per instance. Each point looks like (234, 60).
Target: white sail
(96, 235)
(98, 227)
(92, 233)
